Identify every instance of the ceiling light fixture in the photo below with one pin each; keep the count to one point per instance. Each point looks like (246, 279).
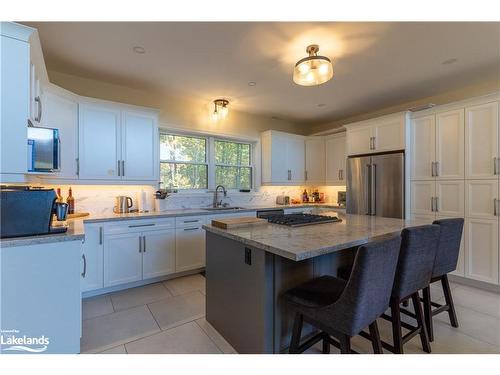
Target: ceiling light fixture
(139, 49)
(252, 83)
(220, 109)
(313, 69)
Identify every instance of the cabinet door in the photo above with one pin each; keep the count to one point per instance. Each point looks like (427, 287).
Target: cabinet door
(158, 257)
(450, 156)
(279, 158)
(122, 258)
(481, 140)
(189, 248)
(335, 160)
(481, 249)
(358, 140)
(480, 198)
(450, 198)
(92, 269)
(423, 147)
(315, 160)
(422, 193)
(99, 142)
(296, 158)
(389, 135)
(139, 134)
(61, 112)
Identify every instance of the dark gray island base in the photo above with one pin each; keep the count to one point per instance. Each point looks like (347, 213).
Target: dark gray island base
(249, 269)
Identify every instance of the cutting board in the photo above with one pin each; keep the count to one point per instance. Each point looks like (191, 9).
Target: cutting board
(238, 222)
(77, 214)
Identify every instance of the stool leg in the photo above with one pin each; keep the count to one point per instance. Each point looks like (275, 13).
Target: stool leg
(375, 335)
(345, 344)
(420, 321)
(428, 313)
(296, 333)
(449, 301)
(397, 335)
(326, 345)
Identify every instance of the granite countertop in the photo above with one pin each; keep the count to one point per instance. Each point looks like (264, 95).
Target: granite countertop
(74, 233)
(314, 240)
(76, 226)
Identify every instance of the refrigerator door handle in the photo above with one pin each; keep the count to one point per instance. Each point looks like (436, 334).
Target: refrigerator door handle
(373, 176)
(368, 191)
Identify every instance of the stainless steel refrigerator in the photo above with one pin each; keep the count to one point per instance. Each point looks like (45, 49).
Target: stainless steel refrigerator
(375, 185)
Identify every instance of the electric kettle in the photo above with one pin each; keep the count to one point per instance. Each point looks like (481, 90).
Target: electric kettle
(123, 204)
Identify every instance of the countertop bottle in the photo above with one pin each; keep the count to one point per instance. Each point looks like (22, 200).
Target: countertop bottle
(71, 202)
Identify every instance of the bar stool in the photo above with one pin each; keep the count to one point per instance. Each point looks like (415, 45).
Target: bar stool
(445, 262)
(342, 308)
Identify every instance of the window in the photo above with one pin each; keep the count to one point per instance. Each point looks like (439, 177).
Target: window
(183, 162)
(233, 165)
(196, 162)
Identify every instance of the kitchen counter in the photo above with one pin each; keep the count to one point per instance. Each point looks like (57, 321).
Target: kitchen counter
(314, 240)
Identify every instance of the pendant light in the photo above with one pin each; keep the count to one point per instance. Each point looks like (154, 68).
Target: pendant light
(221, 109)
(313, 69)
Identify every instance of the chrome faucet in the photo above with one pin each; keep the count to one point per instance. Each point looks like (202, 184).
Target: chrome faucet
(218, 203)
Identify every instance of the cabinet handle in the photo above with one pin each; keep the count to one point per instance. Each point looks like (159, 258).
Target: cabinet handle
(432, 204)
(84, 273)
(38, 118)
(437, 168)
(186, 229)
(119, 168)
(144, 244)
(306, 175)
(495, 203)
(140, 244)
(432, 169)
(100, 235)
(191, 221)
(77, 166)
(374, 143)
(371, 147)
(141, 225)
(123, 167)
(436, 204)
(289, 175)
(495, 166)
(339, 175)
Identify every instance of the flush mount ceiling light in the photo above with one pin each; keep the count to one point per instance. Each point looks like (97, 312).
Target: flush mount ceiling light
(313, 69)
(138, 49)
(220, 109)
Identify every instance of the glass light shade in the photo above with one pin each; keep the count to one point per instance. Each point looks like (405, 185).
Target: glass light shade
(223, 111)
(313, 70)
(215, 116)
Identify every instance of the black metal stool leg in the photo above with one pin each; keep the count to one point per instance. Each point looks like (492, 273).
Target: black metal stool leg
(345, 344)
(420, 321)
(326, 345)
(397, 334)
(375, 336)
(428, 312)
(296, 333)
(449, 301)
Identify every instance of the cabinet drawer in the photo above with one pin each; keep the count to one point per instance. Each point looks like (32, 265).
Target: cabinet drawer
(189, 221)
(139, 225)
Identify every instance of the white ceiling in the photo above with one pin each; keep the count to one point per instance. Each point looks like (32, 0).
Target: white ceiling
(376, 64)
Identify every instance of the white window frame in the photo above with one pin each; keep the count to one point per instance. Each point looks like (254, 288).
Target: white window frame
(251, 166)
(210, 158)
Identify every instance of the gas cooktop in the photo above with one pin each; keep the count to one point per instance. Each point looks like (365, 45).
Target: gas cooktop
(300, 220)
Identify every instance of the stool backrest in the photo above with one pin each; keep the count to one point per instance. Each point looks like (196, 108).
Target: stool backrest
(368, 290)
(416, 259)
(449, 246)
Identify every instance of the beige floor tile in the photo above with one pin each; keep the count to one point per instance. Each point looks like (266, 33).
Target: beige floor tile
(178, 310)
(96, 306)
(186, 284)
(142, 295)
(188, 338)
(216, 337)
(107, 331)
(120, 349)
(477, 299)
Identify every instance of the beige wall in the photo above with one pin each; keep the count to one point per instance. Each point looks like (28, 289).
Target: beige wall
(484, 88)
(174, 111)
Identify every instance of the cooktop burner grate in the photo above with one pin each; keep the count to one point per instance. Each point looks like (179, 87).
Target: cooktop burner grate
(299, 220)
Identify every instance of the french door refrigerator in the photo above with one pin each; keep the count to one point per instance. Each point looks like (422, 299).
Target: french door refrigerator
(375, 185)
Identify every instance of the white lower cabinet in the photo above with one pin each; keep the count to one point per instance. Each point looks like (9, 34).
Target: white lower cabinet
(481, 249)
(158, 257)
(92, 273)
(189, 248)
(122, 258)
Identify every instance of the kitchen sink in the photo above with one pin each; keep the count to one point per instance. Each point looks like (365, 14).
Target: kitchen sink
(223, 208)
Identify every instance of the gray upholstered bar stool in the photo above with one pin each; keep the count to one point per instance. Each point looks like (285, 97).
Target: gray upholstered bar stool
(445, 262)
(341, 309)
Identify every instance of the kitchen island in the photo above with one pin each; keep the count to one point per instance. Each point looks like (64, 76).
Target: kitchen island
(248, 269)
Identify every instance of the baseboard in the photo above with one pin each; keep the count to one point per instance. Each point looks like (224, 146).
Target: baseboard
(474, 283)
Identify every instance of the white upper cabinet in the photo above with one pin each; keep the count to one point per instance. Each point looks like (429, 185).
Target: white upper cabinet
(423, 147)
(481, 146)
(61, 112)
(450, 145)
(335, 159)
(99, 142)
(378, 135)
(139, 146)
(315, 160)
(283, 158)
(117, 143)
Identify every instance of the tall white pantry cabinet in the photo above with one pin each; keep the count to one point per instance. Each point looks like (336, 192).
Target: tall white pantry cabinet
(454, 172)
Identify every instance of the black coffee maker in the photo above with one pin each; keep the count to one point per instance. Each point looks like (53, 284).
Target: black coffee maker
(27, 211)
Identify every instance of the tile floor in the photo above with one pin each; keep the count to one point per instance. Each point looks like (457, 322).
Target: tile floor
(168, 317)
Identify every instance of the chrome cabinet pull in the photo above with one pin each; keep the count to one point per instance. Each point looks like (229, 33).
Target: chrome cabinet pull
(495, 171)
(436, 204)
(305, 175)
(495, 203)
(432, 204)
(144, 244)
(38, 118)
(191, 221)
(140, 244)
(119, 168)
(84, 273)
(374, 143)
(77, 166)
(437, 168)
(432, 169)
(141, 225)
(188, 229)
(339, 175)
(100, 235)
(123, 167)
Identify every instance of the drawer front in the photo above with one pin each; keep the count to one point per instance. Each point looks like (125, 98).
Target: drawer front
(131, 226)
(189, 221)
